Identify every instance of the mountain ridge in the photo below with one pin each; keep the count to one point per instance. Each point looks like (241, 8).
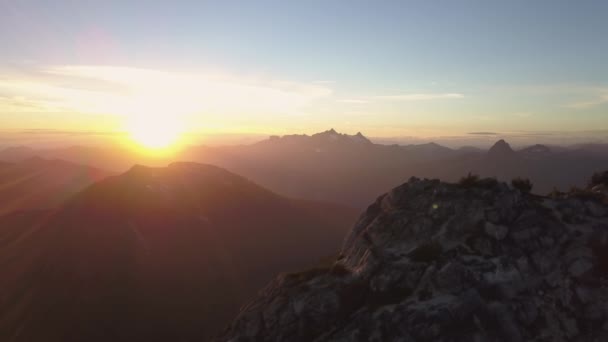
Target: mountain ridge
(449, 262)
(344, 170)
(139, 252)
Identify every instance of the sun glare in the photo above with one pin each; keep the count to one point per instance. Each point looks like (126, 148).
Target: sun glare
(155, 131)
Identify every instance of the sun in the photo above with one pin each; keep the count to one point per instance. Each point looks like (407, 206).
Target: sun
(155, 131)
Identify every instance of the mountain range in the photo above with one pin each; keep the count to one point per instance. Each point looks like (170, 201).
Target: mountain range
(351, 169)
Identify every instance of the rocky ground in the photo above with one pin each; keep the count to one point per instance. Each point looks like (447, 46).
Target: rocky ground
(431, 261)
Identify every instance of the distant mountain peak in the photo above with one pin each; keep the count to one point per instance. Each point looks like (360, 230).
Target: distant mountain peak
(329, 133)
(359, 137)
(328, 136)
(501, 149)
(333, 136)
(502, 142)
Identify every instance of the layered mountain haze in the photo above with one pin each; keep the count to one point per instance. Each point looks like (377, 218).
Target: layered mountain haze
(156, 254)
(536, 151)
(37, 183)
(117, 158)
(351, 169)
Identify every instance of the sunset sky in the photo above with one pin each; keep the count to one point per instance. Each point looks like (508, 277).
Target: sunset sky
(386, 68)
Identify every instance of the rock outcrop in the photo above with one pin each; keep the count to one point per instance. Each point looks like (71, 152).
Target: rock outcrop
(431, 261)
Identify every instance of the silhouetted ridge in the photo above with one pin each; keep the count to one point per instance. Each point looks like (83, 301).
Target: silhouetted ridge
(157, 254)
(330, 136)
(501, 149)
(333, 136)
(39, 183)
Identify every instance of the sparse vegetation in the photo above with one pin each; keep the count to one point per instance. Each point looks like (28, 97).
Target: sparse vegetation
(487, 183)
(586, 195)
(522, 184)
(599, 178)
(469, 180)
(474, 181)
(555, 194)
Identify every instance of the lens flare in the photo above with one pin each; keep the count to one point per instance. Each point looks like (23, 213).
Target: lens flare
(155, 131)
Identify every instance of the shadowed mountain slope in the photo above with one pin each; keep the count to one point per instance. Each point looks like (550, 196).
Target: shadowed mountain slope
(162, 254)
(42, 184)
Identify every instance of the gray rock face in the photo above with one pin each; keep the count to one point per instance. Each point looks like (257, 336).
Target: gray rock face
(431, 261)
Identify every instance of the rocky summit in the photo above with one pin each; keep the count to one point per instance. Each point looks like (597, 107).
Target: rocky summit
(432, 261)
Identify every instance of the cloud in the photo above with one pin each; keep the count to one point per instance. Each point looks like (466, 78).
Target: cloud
(419, 96)
(70, 132)
(483, 133)
(125, 90)
(403, 97)
(600, 98)
(353, 101)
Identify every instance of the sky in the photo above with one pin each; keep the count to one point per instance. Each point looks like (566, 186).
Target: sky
(390, 69)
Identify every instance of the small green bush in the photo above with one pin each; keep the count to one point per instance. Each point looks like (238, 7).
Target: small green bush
(522, 184)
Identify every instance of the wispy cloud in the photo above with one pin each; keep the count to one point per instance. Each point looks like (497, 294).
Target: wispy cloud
(482, 133)
(601, 97)
(125, 90)
(409, 97)
(353, 101)
(419, 96)
(71, 133)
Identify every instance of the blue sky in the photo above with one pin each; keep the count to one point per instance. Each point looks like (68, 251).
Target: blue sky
(390, 68)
